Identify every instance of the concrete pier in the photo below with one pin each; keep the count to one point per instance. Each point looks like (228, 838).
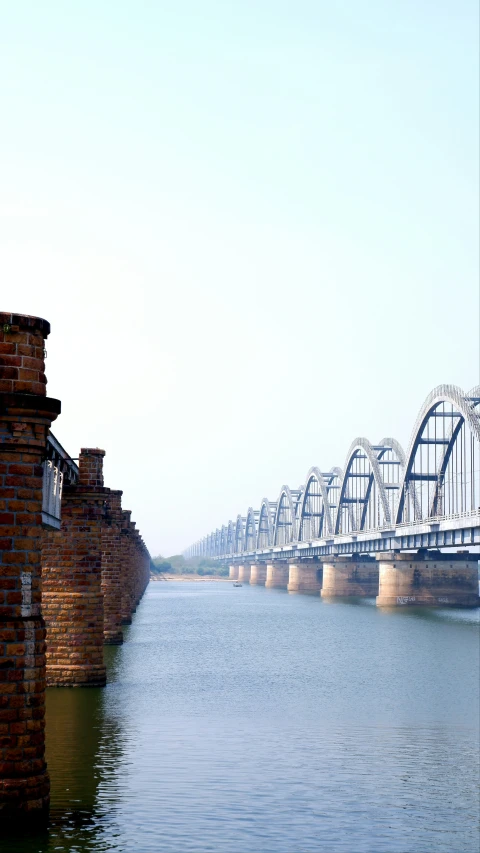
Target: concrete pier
(305, 576)
(277, 574)
(233, 573)
(428, 578)
(258, 574)
(244, 573)
(350, 576)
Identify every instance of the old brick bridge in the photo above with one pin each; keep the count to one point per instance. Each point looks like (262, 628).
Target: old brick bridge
(73, 567)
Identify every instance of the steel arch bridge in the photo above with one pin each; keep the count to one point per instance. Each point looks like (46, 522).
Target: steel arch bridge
(383, 498)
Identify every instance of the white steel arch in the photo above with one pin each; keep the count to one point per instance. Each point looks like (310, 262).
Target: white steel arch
(380, 486)
(285, 528)
(231, 537)
(363, 493)
(266, 523)
(251, 530)
(240, 534)
(447, 425)
(314, 519)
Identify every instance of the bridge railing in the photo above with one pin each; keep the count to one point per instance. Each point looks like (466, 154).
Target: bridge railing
(473, 515)
(58, 469)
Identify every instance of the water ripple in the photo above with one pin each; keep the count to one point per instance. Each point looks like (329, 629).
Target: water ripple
(269, 723)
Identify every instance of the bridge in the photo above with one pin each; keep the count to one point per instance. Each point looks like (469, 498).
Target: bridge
(73, 566)
(384, 524)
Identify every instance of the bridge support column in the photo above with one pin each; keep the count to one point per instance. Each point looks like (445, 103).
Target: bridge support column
(349, 576)
(133, 567)
(111, 569)
(277, 575)
(305, 576)
(127, 567)
(428, 578)
(258, 574)
(140, 567)
(143, 570)
(244, 573)
(72, 575)
(25, 418)
(233, 573)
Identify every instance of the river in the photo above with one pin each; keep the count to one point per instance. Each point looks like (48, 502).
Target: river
(253, 721)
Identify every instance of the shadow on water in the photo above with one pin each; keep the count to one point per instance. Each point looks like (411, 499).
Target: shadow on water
(83, 750)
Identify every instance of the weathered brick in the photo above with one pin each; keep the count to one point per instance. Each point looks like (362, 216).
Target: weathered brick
(23, 779)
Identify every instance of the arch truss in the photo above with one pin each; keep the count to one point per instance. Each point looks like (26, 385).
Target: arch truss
(379, 486)
(441, 475)
(370, 485)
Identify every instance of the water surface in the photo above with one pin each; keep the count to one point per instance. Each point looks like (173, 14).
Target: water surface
(253, 721)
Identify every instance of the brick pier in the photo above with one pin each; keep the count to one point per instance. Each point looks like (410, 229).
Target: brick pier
(112, 568)
(66, 587)
(72, 575)
(25, 417)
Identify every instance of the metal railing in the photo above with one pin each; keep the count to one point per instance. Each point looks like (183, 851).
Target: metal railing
(58, 469)
(371, 533)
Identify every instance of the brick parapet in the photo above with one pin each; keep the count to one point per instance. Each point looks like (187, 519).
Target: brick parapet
(22, 354)
(90, 468)
(25, 417)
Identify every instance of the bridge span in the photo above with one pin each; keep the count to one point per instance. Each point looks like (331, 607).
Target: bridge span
(73, 566)
(384, 524)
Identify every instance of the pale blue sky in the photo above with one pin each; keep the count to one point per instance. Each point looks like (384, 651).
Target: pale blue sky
(252, 225)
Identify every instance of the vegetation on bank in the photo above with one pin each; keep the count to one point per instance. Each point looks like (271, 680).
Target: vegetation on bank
(178, 565)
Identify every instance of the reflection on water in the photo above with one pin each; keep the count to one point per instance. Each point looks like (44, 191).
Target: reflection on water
(83, 752)
(79, 728)
(250, 720)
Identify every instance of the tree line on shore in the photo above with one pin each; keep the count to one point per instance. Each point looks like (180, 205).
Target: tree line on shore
(178, 565)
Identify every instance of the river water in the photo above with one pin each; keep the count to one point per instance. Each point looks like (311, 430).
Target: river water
(253, 721)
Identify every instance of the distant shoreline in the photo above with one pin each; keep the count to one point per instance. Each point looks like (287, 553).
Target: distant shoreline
(184, 578)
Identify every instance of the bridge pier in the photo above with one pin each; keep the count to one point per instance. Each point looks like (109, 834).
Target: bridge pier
(277, 575)
(127, 567)
(142, 567)
(233, 572)
(258, 574)
(349, 576)
(26, 414)
(244, 573)
(72, 576)
(428, 578)
(305, 576)
(111, 584)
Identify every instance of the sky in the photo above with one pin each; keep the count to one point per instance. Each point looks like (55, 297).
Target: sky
(253, 227)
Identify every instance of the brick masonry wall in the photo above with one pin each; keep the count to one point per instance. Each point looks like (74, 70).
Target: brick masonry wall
(142, 567)
(135, 567)
(112, 567)
(72, 577)
(25, 417)
(126, 568)
(95, 570)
